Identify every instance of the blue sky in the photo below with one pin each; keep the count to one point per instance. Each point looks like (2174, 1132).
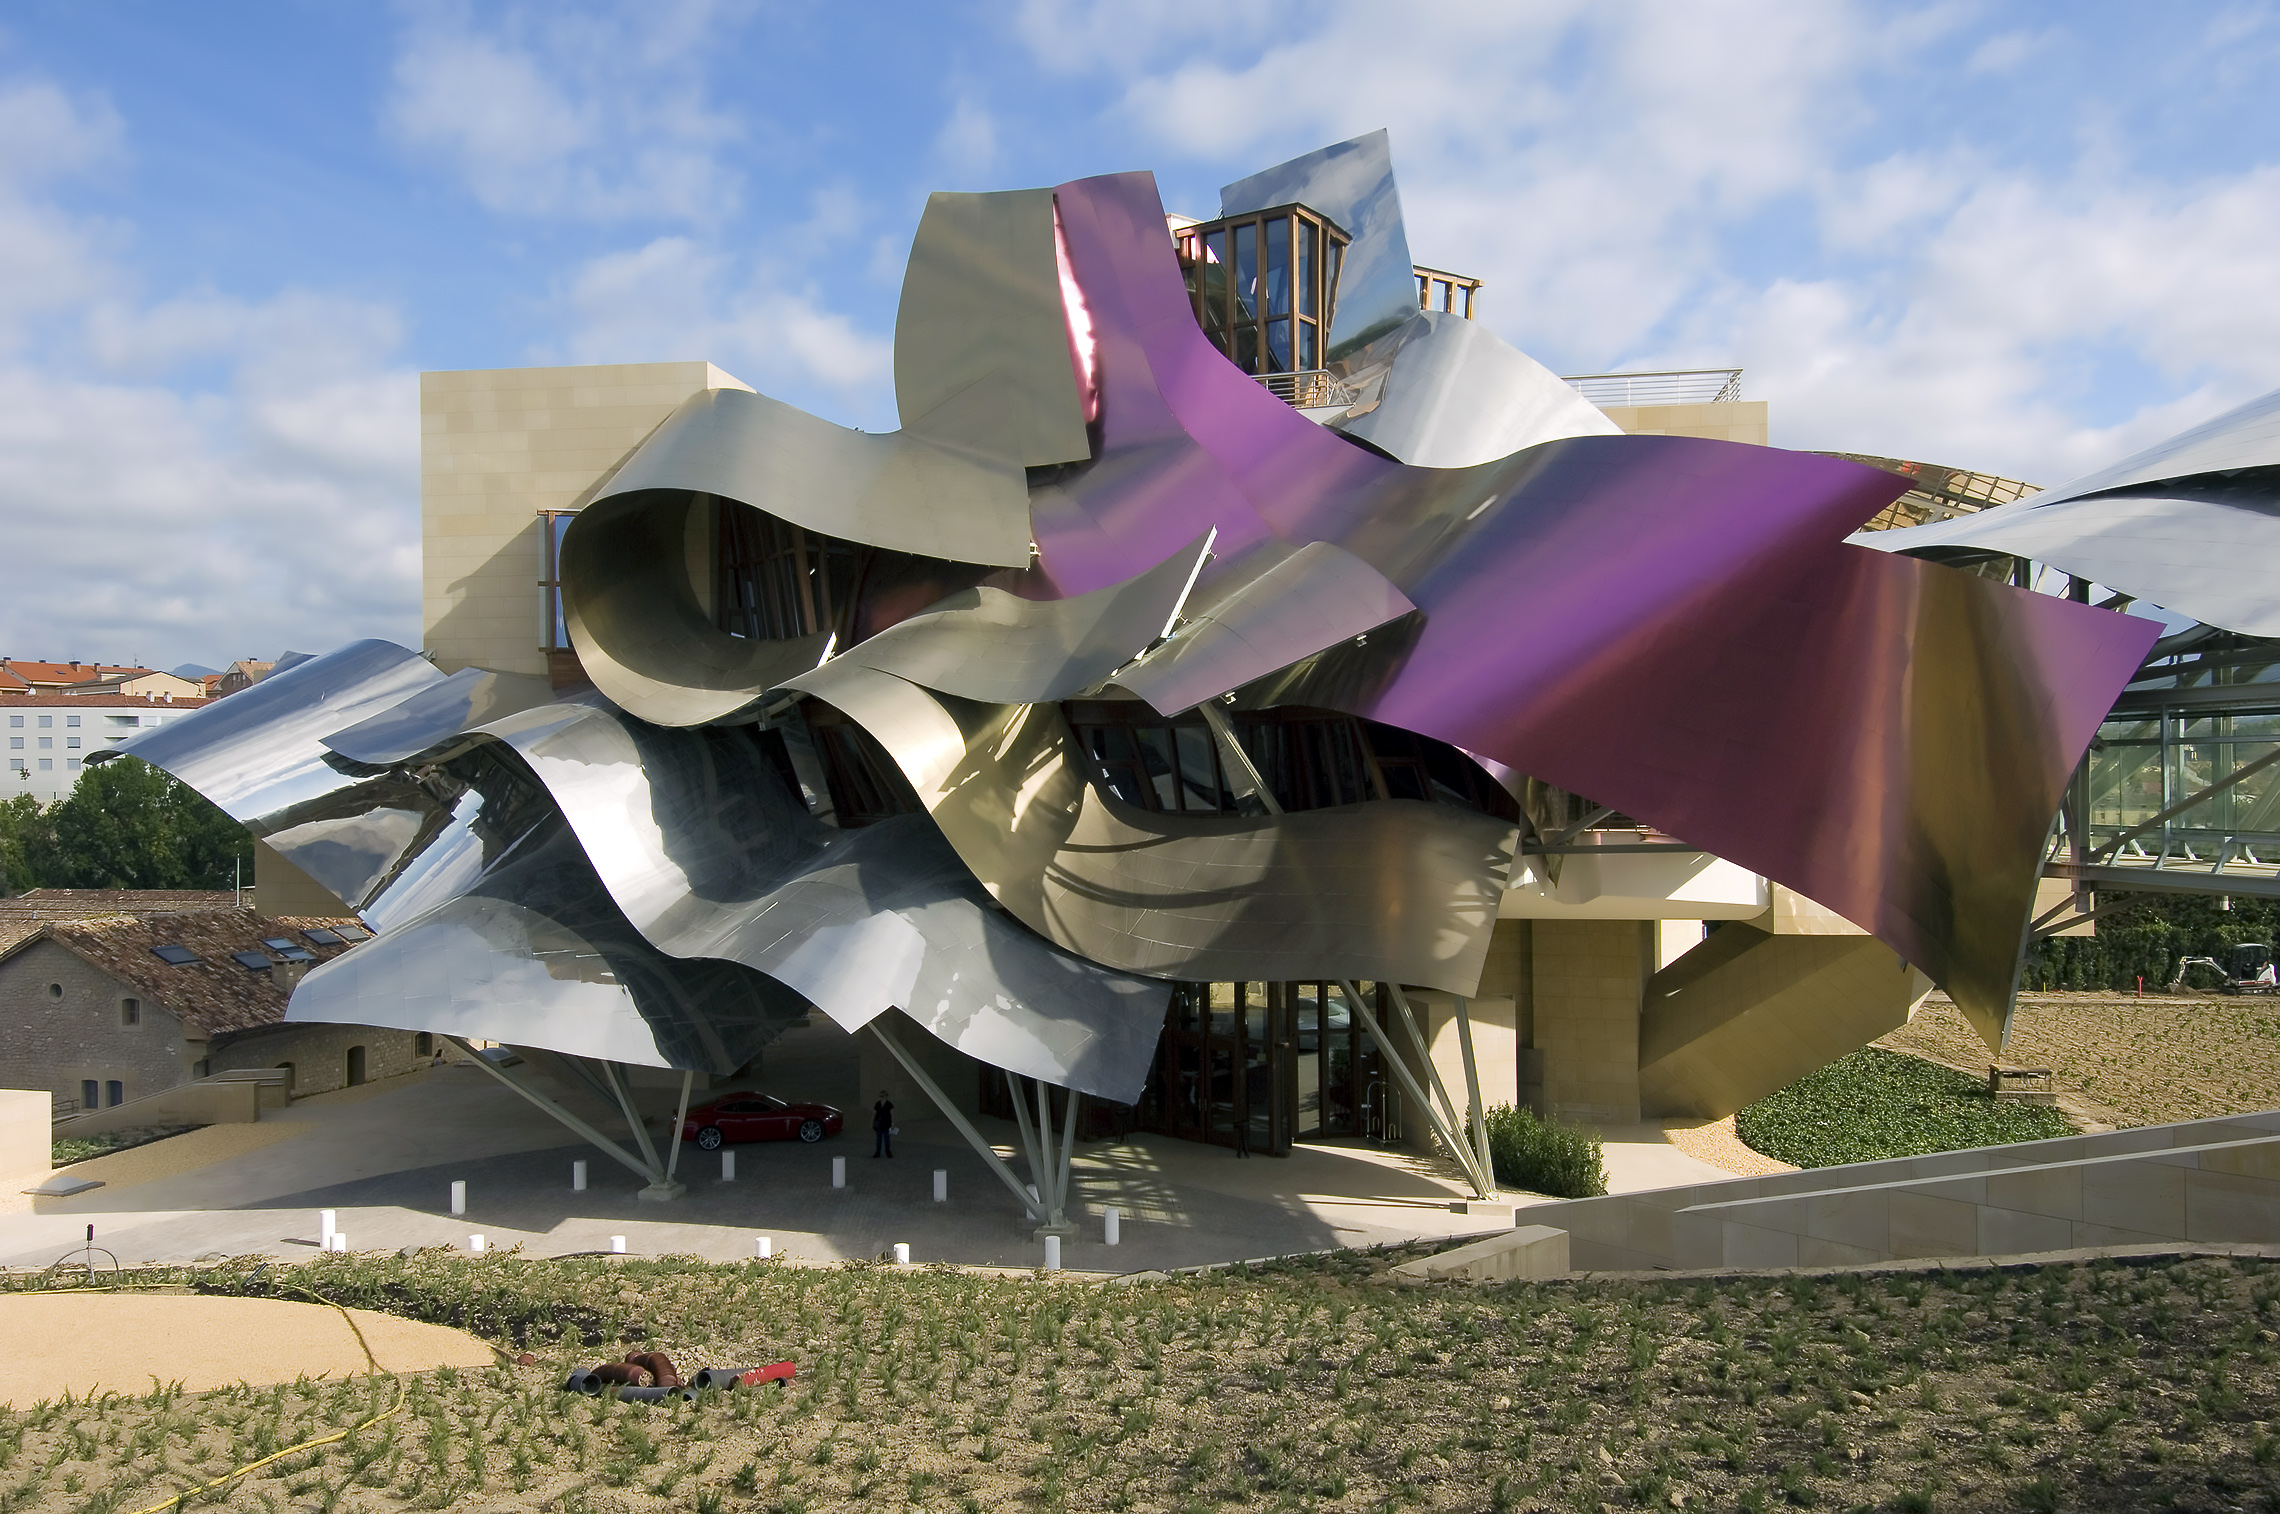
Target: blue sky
(2022, 238)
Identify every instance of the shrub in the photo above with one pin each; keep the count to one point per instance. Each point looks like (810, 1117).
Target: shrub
(1877, 1104)
(1544, 1156)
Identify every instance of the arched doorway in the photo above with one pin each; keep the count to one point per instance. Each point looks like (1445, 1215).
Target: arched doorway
(355, 1065)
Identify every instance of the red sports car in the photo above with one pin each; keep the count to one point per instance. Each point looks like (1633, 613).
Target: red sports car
(757, 1117)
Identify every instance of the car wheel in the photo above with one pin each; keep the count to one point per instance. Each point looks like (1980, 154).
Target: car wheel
(710, 1138)
(811, 1131)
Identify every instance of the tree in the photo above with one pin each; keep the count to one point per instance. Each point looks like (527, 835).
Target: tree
(125, 824)
(19, 822)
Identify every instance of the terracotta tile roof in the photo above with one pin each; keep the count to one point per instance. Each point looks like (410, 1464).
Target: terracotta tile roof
(214, 994)
(102, 698)
(65, 672)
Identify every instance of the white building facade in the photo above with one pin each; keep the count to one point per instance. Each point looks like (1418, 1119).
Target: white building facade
(50, 736)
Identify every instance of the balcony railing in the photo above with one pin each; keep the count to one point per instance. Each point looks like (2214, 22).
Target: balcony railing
(1308, 390)
(1678, 386)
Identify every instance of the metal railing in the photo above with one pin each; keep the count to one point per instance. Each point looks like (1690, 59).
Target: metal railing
(1307, 390)
(1677, 386)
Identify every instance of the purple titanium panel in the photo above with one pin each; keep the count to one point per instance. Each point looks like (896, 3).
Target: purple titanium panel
(1672, 626)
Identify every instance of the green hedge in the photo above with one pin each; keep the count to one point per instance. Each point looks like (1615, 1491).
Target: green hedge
(1877, 1104)
(2146, 940)
(1543, 1156)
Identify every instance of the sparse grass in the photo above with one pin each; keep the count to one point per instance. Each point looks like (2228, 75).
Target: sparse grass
(1877, 1104)
(1301, 1385)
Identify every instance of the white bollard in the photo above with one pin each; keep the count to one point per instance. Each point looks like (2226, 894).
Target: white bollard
(577, 1177)
(902, 1254)
(475, 1244)
(767, 1248)
(339, 1241)
(941, 1185)
(1052, 1253)
(1113, 1225)
(324, 1229)
(617, 1245)
(728, 1166)
(839, 1172)
(459, 1196)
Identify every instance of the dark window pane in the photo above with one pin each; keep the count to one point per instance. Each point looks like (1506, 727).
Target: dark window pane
(1246, 271)
(1215, 280)
(1278, 346)
(1199, 772)
(1246, 352)
(1163, 776)
(1275, 293)
(1307, 357)
(1309, 236)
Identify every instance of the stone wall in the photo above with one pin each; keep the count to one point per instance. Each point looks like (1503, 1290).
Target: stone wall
(56, 1041)
(318, 1053)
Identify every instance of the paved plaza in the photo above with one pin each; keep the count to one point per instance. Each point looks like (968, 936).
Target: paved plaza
(383, 1158)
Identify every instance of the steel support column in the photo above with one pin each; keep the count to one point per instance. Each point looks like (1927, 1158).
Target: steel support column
(607, 1146)
(932, 1090)
(1472, 1098)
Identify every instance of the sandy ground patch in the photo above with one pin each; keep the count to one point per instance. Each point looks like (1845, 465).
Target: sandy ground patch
(2131, 1061)
(1715, 1142)
(183, 1153)
(119, 1342)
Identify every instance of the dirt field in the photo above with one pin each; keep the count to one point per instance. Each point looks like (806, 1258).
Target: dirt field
(2126, 1060)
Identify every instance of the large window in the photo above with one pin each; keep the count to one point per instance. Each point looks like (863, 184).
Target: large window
(1264, 285)
(776, 580)
(553, 634)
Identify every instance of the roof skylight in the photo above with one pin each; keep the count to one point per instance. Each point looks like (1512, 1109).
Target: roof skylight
(174, 954)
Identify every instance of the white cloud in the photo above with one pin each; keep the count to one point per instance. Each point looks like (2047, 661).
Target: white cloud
(269, 501)
(1648, 185)
(677, 299)
(596, 114)
(967, 144)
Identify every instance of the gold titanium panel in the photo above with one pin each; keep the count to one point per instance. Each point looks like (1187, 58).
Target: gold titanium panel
(982, 345)
(1392, 890)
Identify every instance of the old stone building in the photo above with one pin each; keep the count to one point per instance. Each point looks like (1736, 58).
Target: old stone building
(110, 995)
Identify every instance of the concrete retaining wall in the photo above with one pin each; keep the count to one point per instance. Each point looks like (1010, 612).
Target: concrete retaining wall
(2205, 1180)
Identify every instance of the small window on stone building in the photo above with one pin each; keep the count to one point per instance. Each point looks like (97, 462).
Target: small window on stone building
(90, 1092)
(115, 1092)
(423, 1044)
(55, 990)
(130, 1011)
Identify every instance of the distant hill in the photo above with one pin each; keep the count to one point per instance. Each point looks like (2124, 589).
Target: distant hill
(193, 670)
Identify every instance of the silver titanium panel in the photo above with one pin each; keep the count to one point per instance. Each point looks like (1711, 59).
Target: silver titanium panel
(2247, 436)
(913, 493)
(982, 346)
(436, 714)
(485, 969)
(642, 635)
(2202, 556)
(707, 854)
(983, 643)
(259, 755)
(1317, 597)
(1457, 395)
(1394, 890)
(1352, 184)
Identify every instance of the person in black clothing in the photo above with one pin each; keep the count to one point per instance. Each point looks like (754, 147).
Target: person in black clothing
(883, 1126)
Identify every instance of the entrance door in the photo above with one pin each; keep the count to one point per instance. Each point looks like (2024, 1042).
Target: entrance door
(1222, 1070)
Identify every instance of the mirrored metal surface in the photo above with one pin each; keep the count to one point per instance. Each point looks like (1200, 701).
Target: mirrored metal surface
(1672, 626)
(984, 643)
(709, 854)
(1394, 890)
(1315, 598)
(1455, 395)
(911, 492)
(643, 635)
(260, 754)
(1351, 183)
(982, 345)
(435, 714)
(2247, 436)
(2207, 554)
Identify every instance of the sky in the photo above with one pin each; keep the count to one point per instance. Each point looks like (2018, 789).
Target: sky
(2024, 239)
